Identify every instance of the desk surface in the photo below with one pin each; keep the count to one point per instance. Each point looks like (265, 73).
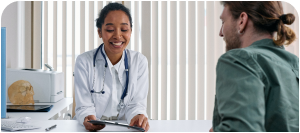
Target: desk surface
(155, 126)
(57, 107)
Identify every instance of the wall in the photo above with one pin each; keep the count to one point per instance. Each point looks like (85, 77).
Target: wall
(16, 17)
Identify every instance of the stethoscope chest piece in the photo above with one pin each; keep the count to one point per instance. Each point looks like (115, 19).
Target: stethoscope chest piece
(121, 105)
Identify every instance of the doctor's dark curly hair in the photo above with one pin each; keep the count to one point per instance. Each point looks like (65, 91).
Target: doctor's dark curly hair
(111, 7)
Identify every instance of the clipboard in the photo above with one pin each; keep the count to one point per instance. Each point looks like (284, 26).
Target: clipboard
(101, 122)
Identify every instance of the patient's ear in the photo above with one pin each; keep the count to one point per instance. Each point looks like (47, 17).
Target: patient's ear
(242, 22)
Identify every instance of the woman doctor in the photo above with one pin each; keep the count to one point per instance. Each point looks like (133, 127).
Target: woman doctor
(111, 82)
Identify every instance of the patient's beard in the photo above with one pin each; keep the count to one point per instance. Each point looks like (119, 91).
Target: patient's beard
(232, 40)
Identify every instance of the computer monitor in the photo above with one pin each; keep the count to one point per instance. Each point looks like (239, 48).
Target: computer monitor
(3, 72)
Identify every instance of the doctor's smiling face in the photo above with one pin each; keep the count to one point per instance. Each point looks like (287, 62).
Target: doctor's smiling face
(229, 30)
(115, 32)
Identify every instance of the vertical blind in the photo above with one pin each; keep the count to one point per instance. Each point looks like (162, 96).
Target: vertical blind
(180, 40)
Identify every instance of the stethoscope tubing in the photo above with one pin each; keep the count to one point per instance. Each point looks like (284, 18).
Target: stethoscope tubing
(126, 71)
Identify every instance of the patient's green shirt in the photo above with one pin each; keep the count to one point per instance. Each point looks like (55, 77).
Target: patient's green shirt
(257, 89)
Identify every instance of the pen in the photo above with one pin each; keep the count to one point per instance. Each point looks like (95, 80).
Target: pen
(49, 128)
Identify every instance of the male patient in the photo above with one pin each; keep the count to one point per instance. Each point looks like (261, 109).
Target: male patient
(257, 86)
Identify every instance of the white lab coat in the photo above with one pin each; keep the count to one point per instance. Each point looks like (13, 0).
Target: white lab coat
(88, 103)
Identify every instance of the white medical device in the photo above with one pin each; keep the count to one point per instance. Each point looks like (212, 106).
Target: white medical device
(48, 86)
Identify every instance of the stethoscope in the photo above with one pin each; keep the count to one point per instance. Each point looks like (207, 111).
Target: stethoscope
(121, 103)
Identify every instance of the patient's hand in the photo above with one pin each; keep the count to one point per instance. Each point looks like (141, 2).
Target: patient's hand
(211, 130)
(91, 127)
(140, 120)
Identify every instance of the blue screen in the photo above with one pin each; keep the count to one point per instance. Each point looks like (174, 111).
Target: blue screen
(3, 72)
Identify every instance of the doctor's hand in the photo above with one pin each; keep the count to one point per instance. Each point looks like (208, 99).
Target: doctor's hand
(140, 120)
(91, 127)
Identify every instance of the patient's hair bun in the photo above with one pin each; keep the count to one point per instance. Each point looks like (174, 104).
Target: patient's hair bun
(287, 18)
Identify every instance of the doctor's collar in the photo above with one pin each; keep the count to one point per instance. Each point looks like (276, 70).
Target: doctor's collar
(110, 65)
